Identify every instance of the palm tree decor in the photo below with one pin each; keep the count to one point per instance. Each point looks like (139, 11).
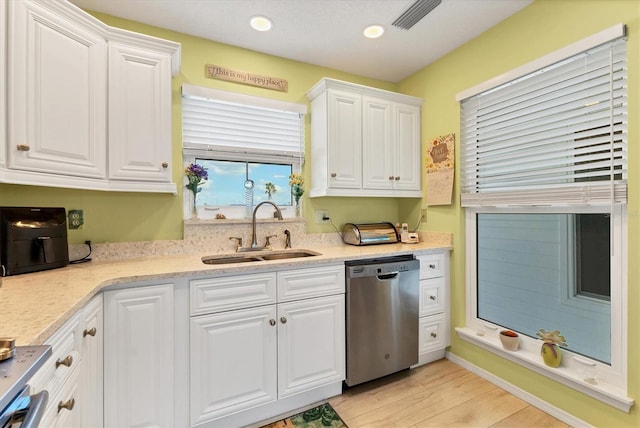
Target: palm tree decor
(270, 189)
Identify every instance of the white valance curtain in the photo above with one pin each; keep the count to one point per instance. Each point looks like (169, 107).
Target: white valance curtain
(554, 136)
(234, 125)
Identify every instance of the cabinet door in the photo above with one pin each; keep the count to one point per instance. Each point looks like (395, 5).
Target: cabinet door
(407, 148)
(233, 362)
(56, 92)
(344, 140)
(139, 357)
(377, 147)
(139, 114)
(311, 349)
(91, 396)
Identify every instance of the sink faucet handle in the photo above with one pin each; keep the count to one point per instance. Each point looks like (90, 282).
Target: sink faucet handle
(267, 242)
(239, 241)
(287, 241)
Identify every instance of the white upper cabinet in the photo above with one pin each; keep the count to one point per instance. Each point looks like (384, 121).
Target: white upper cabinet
(139, 113)
(88, 105)
(364, 141)
(57, 93)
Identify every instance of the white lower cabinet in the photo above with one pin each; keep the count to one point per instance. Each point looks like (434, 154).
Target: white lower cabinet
(139, 357)
(433, 336)
(60, 377)
(91, 348)
(310, 344)
(253, 363)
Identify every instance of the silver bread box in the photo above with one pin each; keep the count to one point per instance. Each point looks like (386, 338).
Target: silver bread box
(369, 233)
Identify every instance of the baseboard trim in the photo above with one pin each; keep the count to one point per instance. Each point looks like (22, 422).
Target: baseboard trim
(557, 413)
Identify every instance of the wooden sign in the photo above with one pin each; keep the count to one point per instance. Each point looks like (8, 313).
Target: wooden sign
(237, 76)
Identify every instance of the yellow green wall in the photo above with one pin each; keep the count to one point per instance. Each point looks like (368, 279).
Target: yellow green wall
(125, 217)
(535, 31)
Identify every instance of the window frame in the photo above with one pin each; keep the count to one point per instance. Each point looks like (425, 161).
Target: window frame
(228, 152)
(603, 196)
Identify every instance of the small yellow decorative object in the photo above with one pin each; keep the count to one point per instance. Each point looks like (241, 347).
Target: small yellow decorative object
(550, 351)
(220, 217)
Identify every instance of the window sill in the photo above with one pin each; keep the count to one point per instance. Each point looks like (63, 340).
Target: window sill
(609, 394)
(234, 221)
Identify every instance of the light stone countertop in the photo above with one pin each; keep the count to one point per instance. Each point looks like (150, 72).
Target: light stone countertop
(34, 305)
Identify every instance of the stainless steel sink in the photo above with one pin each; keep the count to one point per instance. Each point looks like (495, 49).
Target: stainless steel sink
(225, 259)
(257, 256)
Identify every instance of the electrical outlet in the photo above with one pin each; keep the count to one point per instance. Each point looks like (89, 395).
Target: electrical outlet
(321, 215)
(76, 219)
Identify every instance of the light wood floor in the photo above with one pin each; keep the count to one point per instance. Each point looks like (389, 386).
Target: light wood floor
(440, 394)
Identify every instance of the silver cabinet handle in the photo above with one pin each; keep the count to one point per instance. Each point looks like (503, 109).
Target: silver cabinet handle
(68, 360)
(434, 335)
(91, 332)
(432, 297)
(272, 322)
(23, 147)
(66, 404)
(283, 320)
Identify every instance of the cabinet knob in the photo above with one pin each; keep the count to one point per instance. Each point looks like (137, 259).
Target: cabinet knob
(283, 320)
(66, 362)
(23, 147)
(391, 177)
(91, 332)
(272, 322)
(66, 404)
(432, 266)
(165, 165)
(397, 177)
(433, 334)
(432, 297)
(334, 175)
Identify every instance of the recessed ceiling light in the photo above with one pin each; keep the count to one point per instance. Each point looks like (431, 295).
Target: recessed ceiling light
(374, 31)
(261, 23)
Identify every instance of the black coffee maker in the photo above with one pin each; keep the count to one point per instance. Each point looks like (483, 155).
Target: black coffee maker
(32, 239)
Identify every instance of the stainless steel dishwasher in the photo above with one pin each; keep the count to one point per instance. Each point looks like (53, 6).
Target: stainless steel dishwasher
(382, 302)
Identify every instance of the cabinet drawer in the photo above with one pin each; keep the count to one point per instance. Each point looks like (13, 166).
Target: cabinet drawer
(432, 296)
(433, 334)
(68, 396)
(64, 359)
(311, 282)
(431, 265)
(232, 292)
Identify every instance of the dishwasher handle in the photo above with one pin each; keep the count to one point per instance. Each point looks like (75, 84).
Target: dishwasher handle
(387, 276)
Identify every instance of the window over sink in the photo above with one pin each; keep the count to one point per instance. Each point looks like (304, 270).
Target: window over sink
(249, 145)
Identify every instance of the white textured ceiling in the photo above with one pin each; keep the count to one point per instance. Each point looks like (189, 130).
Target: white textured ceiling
(326, 33)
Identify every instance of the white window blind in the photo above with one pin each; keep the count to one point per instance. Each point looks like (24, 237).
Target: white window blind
(233, 125)
(556, 136)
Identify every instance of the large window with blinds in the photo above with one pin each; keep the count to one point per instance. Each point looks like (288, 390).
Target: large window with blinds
(543, 184)
(249, 146)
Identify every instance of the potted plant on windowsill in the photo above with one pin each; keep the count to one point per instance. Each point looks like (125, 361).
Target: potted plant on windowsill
(510, 340)
(550, 349)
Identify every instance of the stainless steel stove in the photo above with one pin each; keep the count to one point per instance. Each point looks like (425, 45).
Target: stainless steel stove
(15, 373)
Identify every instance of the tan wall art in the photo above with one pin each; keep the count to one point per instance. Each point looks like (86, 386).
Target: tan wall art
(440, 161)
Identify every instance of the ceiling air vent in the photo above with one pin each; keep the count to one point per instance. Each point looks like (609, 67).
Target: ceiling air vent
(415, 13)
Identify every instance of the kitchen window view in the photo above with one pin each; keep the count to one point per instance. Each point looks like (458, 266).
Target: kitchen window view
(537, 270)
(544, 170)
(249, 145)
(235, 187)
